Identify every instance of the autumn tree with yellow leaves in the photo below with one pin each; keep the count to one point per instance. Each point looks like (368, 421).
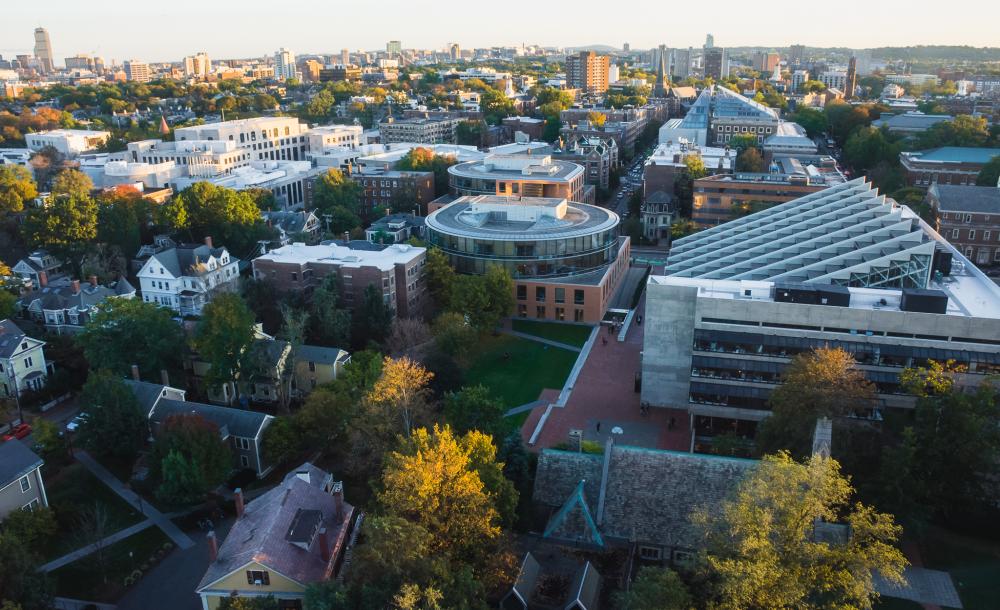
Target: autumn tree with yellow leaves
(401, 390)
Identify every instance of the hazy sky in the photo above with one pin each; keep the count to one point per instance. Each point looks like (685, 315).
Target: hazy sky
(169, 29)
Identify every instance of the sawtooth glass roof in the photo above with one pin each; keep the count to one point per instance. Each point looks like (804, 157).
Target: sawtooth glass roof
(846, 234)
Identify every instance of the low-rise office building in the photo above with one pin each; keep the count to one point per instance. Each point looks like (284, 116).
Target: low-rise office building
(844, 267)
(969, 218)
(566, 258)
(331, 136)
(199, 158)
(421, 130)
(397, 270)
(265, 138)
(70, 142)
(521, 176)
(945, 165)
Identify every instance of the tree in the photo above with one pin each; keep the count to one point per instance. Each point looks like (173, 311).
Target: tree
(188, 459)
(990, 174)
(114, 425)
(495, 105)
(326, 595)
(401, 389)
(867, 147)
(750, 160)
(695, 166)
(431, 481)
(453, 335)
(440, 277)
(821, 383)
(92, 530)
(499, 288)
(67, 227)
(249, 603)
(281, 441)
(812, 120)
(335, 190)
(204, 209)
(742, 143)
(373, 318)
(406, 335)
(53, 445)
(72, 183)
(34, 528)
(328, 324)
(761, 551)
(597, 119)
(123, 332)
(20, 580)
(655, 588)
(122, 213)
(223, 335)
(16, 188)
(475, 408)
(470, 133)
(422, 159)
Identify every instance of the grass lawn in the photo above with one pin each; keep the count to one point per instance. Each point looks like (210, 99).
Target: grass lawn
(82, 579)
(517, 370)
(69, 492)
(974, 565)
(570, 334)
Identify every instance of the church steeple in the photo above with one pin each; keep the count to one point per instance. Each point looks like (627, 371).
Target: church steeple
(661, 73)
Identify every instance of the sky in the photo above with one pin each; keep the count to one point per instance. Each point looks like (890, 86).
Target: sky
(169, 30)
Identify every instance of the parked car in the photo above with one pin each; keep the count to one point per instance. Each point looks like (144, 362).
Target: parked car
(76, 422)
(19, 432)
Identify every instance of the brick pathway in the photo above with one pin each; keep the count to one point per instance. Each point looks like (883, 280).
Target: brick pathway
(604, 392)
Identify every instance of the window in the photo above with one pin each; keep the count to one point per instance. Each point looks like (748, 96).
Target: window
(972, 234)
(968, 218)
(954, 233)
(560, 295)
(25, 484)
(243, 443)
(540, 294)
(540, 311)
(578, 297)
(258, 577)
(244, 461)
(987, 235)
(650, 553)
(28, 362)
(30, 506)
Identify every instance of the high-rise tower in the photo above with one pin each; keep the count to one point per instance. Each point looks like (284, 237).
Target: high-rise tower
(43, 50)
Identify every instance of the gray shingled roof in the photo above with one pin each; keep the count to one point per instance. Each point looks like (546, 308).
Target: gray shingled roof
(262, 534)
(973, 199)
(10, 338)
(649, 494)
(321, 355)
(234, 422)
(145, 393)
(180, 261)
(16, 460)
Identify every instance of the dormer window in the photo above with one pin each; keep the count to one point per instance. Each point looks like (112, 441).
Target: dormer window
(24, 345)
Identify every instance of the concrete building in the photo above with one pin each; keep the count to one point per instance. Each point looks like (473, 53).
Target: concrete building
(969, 218)
(716, 63)
(834, 79)
(186, 277)
(70, 142)
(266, 138)
(796, 55)
(587, 71)
(138, 71)
(43, 51)
(918, 80)
(799, 78)
(393, 47)
(788, 138)
(667, 163)
(566, 258)
(486, 74)
(198, 158)
(21, 484)
(765, 62)
(396, 228)
(198, 65)
(330, 136)
(397, 270)
(719, 115)
(421, 130)
(945, 165)
(284, 65)
(291, 182)
(843, 267)
(522, 175)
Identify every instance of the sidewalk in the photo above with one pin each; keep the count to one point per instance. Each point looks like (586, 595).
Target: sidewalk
(55, 564)
(159, 519)
(548, 342)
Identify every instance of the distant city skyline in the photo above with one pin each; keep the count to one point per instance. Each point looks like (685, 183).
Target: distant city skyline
(158, 32)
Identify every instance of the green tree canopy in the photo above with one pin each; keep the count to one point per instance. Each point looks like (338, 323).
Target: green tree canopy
(812, 120)
(124, 332)
(230, 217)
(335, 191)
(189, 458)
(761, 550)
(655, 588)
(67, 227)
(440, 276)
(114, 425)
(750, 160)
(475, 408)
(990, 174)
(223, 336)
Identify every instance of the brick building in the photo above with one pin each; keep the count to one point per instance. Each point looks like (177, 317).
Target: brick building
(397, 269)
(388, 188)
(969, 218)
(945, 165)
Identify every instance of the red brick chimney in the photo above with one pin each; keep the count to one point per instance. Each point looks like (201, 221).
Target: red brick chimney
(324, 544)
(76, 286)
(240, 506)
(93, 281)
(213, 547)
(208, 241)
(43, 279)
(135, 372)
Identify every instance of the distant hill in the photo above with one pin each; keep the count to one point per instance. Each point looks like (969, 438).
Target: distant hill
(600, 48)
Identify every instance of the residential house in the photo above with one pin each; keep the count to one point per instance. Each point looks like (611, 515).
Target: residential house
(315, 366)
(22, 361)
(657, 215)
(283, 541)
(395, 229)
(185, 277)
(38, 267)
(65, 306)
(21, 485)
(280, 373)
(241, 430)
(298, 225)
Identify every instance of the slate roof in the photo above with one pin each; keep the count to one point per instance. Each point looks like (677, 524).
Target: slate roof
(181, 261)
(63, 296)
(972, 199)
(146, 393)
(320, 355)
(262, 534)
(287, 220)
(649, 494)
(16, 460)
(231, 422)
(10, 338)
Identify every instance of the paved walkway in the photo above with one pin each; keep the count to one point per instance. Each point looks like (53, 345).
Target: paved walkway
(159, 519)
(538, 339)
(55, 564)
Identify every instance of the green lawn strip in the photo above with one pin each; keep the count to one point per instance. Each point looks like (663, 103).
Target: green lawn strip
(974, 566)
(570, 334)
(83, 579)
(517, 370)
(72, 490)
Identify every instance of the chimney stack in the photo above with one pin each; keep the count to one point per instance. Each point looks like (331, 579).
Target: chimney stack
(164, 377)
(338, 498)
(76, 286)
(93, 281)
(135, 372)
(43, 279)
(213, 547)
(347, 237)
(238, 496)
(208, 241)
(324, 544)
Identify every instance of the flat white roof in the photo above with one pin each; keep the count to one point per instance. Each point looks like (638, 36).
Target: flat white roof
(385, 260)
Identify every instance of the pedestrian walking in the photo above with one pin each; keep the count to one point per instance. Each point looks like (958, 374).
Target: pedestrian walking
(598, 427)
(604, 340)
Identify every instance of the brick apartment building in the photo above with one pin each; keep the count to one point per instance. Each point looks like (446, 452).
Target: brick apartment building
(945, 165)
(969, 218)
(718, 199)
(393, 189)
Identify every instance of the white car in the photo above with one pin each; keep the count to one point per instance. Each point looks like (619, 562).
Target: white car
(76, 422)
